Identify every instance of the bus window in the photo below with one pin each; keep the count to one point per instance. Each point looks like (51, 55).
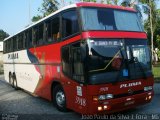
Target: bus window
(69, 23)
(66, 61)
(25, 39)
(35, 36)
(40, 34)
(4, 48)
(55, 29)
(20, 41)
(14, 44)
(29, 38)
(48, 32)
(78, 72)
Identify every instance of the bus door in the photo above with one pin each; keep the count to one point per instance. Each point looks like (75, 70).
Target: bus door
(73, 76)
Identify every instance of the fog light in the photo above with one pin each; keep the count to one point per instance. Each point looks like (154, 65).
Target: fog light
(146, 98)
(149, 97)
(100, 108)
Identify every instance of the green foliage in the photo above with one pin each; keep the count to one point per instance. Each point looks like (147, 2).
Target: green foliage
(115, 2)
(48, 6)
(3, 35)
(36, 18)
(89, 1)
(156, 72)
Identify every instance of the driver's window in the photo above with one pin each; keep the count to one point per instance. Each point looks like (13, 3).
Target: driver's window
(78, 71)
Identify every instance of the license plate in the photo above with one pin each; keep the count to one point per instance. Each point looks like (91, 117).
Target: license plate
(129, 103)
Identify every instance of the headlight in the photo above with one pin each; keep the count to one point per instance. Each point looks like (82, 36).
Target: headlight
(148, 88)
(104, 97)
(109, 96)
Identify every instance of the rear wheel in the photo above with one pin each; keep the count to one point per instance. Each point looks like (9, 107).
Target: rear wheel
(59, 98)
(14, 82)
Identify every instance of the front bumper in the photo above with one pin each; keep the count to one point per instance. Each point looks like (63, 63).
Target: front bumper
(119, 104)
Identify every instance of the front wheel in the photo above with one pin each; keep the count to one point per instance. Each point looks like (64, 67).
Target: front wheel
(59, 98)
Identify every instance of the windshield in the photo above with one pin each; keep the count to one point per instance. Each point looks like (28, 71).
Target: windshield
(110, 19)
(111, 60)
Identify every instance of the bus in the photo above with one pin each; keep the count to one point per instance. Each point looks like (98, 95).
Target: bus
(91, 58)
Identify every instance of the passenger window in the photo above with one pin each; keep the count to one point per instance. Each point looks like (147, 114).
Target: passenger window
(14, 44)
(48, 31)
(40, 34)
(35, 35)
(30, 43)
(52, 30)
(25, 39)
(55, 29)
(20, 41)
(69, 23)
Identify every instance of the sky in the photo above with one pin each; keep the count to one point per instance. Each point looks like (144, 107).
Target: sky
(14, 14)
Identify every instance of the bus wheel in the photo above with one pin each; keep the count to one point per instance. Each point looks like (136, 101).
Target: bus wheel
(14, 82)
(59, 98)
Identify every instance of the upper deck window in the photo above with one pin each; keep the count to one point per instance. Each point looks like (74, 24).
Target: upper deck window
(69, 23)
(110, 19)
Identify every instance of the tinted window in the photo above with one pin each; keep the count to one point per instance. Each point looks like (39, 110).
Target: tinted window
(69, 23)
(71, 62)
(48, 31)
(110, 19)
(29, 38)
(4, 46)
(52, 30)
(66, 61)
(20, 41)
(14, 44)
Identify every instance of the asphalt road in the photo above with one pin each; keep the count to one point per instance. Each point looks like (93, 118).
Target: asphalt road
(17, 105)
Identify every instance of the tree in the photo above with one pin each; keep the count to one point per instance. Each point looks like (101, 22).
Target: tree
(36, 18)
(48, 6)
(89, 0)
(149, 7)
(152, 21)
(115, 2)
(3, 35)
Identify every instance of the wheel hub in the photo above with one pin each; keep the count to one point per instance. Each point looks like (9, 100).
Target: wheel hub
(60, 98)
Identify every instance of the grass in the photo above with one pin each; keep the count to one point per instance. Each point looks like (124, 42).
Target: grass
(156, 72)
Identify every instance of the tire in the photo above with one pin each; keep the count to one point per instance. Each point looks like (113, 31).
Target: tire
(14, 82)
(59, 98)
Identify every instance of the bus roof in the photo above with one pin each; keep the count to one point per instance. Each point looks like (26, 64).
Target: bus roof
(80, 4)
